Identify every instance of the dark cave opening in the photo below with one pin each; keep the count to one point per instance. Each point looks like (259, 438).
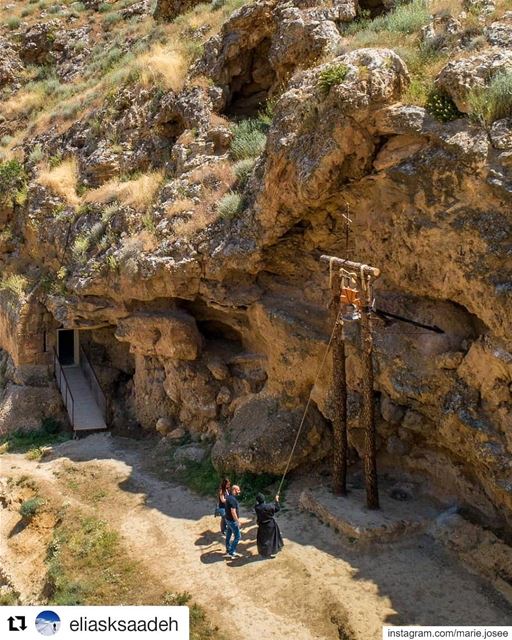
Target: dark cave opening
(216, 330)
(249, 89)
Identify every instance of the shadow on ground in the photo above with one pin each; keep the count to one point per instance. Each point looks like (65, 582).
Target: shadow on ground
(420, 582)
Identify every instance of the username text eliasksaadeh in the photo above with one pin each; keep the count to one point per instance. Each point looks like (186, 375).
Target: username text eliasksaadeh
(114, 624)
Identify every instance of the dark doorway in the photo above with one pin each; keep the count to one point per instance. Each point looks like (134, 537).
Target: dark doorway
(67, 347)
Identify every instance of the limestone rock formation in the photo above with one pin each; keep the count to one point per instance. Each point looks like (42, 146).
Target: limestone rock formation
(10, 63)
(168, 9)
(258, 436)
(460, 76)
(190, 267)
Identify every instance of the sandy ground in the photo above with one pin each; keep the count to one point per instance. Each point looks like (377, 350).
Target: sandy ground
(317, 587)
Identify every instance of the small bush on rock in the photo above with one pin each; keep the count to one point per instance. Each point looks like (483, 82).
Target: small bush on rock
(29, 508)
(13, 179)
(249, 139)
(13, 23)
(243, 170)
(15, 283)
(442, 107)
(405, 18)
(493, 102)
(332, 76)
(230, 205)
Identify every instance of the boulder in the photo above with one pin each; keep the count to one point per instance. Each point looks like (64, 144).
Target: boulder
(164, 426)
(167, 10)
(38, 42)
(23, 407)
(260, 437)
(480, 7)
(176, 434)
(299, 36)
(10, 63)
(190, 453)
(166, 334)
(501, 134)
(460, 76)
(499, 34)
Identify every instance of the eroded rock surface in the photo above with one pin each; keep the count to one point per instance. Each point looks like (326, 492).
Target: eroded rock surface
(214, 327)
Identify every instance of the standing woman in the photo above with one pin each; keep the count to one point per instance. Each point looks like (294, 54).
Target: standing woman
(269, 537)
(222, 494)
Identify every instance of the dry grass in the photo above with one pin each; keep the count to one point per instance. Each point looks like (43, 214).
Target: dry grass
(453, 7)
(23, 104)
(142, 241)
(200, 219)
(220, 174)
(62, 180)
(36, 109)
(179, 207)
(138, 193)
(163, 67)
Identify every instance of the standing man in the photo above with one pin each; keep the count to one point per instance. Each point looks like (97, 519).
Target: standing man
(233, 522)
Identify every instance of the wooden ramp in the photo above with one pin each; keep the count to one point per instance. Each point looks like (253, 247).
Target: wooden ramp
(87, 415)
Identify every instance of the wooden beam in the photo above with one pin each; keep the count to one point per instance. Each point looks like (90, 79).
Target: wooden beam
(340, 262)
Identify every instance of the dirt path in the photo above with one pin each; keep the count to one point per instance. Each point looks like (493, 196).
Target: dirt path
(317, 586)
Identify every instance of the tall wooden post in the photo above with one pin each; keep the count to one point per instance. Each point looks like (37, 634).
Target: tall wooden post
(368, 410)
(339, 391)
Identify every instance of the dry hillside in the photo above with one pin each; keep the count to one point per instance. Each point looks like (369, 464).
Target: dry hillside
(169, 177)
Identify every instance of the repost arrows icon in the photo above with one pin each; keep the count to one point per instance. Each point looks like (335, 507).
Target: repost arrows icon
(17, 627)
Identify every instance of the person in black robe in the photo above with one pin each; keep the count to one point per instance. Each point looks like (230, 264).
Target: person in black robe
(269, 537)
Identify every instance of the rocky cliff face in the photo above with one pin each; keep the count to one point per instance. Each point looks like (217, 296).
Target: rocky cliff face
(204, 305)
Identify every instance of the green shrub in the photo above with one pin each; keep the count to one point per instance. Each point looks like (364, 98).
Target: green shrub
(405, 18)
(494, 102)
(50, 425)
(9, 597)
(55, 160)
(331, 76)
(36, 155)
(112, 18)
(15, 283)
(179, 599)
(230, 205)
(12, 22)
(243, 170)
(266, 114)
(81, 246)
(23, 441)
(13, 179)
(204, 479)
(249, 139)
(29, 508)
(442, 107)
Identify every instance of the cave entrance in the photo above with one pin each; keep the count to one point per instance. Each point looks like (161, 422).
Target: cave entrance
(373, 8)
(216, 330)
(68, 347)
(249, 90)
